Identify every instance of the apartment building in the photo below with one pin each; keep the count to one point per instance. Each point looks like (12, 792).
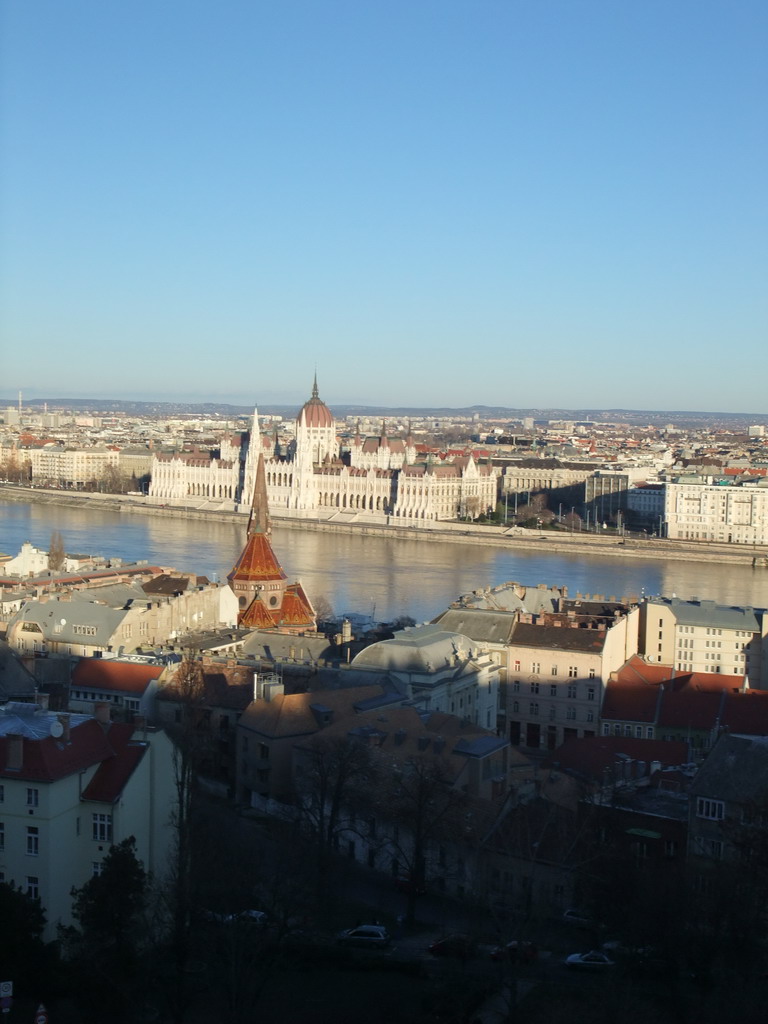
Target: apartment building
(70, 786)
(703, 636)
(713, 509)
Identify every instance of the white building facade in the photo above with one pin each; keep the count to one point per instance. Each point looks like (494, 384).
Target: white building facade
(714, 510)
(378, 478)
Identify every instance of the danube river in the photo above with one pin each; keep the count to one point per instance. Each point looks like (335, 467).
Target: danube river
(376, 576)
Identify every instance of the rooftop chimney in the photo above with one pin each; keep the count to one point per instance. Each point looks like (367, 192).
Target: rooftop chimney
(102, 714)
(15, 752)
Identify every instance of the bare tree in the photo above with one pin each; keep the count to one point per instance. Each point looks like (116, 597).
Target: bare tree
(424, 806)
(112, 480)
(323, 608)
(56, 552)
(334, 772)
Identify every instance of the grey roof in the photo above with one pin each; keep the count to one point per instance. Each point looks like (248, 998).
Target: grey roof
(424, 650)
(15, 680)
(480, 746)
(32, 721)
(558, 638)
(709, 613)
(736, 769)
(275, 646)
(513, 597)
(114, 595)
(65, 615)
(491, 627)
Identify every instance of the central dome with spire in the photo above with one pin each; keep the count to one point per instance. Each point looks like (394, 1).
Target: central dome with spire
(315, 413)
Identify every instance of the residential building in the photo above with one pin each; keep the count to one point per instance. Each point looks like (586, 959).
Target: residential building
(120, 619)
(653, 701)
(728, 796)
(70, 786)
(129, 687)
(716, 509)
(704, 636)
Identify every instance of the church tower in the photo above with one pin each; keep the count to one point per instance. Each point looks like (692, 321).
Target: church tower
(265, 598)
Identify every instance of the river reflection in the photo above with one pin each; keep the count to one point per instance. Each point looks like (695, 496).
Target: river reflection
(378, 576)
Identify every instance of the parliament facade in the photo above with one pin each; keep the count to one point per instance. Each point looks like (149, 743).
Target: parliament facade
(377, 477)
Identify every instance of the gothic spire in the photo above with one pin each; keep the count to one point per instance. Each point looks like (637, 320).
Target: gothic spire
(258, 521)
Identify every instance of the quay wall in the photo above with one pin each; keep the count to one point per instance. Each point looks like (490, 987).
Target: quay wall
(332, 520)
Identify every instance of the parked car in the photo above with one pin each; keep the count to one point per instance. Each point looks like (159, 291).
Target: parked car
(578, 917)
(257, 917)
(366, 936)
(516, 951)
(462, 947)
(593, 960)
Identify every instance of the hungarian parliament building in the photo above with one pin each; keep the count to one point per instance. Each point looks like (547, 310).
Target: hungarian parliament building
(376, 477)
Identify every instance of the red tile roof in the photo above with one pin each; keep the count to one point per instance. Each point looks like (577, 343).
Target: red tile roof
(90, 744)
(120, 676)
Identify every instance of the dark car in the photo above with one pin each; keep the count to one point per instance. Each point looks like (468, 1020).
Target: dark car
(591, 961)
(366, 936)
(460, 947)
(517, 952)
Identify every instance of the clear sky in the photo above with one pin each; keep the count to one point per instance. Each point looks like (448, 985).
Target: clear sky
(532, 203)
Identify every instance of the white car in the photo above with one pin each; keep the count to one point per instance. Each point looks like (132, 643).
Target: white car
(589, 961)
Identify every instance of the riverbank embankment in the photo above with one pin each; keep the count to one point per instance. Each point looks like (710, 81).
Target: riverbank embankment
(575, 543)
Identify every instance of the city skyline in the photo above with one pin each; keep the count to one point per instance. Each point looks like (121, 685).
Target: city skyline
(436, 205)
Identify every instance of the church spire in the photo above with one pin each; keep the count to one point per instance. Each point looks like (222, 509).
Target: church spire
(258, 521)
(315, 393)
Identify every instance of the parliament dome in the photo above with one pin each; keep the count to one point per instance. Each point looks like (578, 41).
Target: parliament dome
(315, 413)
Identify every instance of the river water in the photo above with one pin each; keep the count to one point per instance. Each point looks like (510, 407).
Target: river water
(375, 576)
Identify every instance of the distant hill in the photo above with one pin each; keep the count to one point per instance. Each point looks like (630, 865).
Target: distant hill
(635, 417)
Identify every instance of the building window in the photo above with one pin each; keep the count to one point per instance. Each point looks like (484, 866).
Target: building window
(515, 706)
(2, 794)
(670, 848)
(552, 714)
(33, 841)
(554, 670)
(591, 673)
(2, 835)
(590, 693)
(572, 691)
(516, 686)
(714, 810)
(263, 752)
(536, 667)
(571, 714)
(534, 709)
(33, 797)
(590, 716)
(102, 828)
(33, 887)
(649, 733)
(606, 729)
(534, 687)
(553, 691)
(96, 868)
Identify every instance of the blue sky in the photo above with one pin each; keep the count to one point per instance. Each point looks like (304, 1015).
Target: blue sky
(533, 203)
